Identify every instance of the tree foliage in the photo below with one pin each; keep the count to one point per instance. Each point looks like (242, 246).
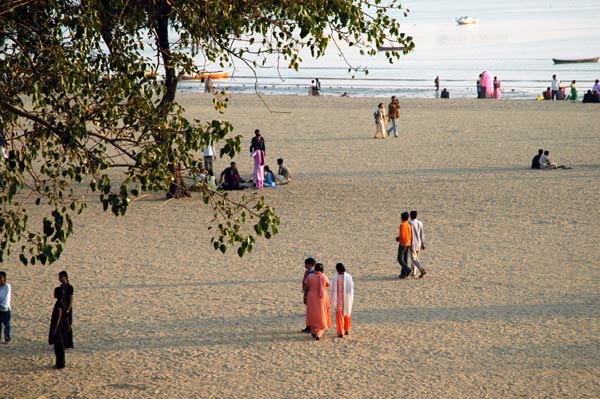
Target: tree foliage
(88, 87)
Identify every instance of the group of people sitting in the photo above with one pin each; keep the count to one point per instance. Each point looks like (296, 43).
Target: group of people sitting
(230, 178)
(542, 161)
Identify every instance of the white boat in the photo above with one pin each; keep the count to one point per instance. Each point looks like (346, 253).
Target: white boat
(466, 20)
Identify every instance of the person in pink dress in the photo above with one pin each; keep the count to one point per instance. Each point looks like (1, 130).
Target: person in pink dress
(259, 168)
(497, 88)
(342, 297)
(318, 315)
(487, 84)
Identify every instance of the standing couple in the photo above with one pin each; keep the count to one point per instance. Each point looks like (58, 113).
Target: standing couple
(315, 287)
(411, 241)
(380, 119)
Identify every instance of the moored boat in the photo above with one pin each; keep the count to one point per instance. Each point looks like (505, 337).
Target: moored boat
(575, 61)
(215, 75)
(466, 20)
(390, 48)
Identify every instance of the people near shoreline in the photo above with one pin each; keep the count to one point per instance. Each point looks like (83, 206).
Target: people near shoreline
(546, 163)
(59, 328)
(487, 85)
(436, 82)
(208, 85)
(309, 268)
(393, 115)
(5, 297)
(445, 93)
(417, 244)
(269, 179)
(497, 88)
(283, 175)
(555, 86)
(535, 162)
(317, 302)
(547, 95)
(345, 94)
(315, 88)
(404, 240)
(573, 96)
(67, 296)
(596, 88)
(561, 94)
(230, 178)
(479, 87)
(590, 97)
(342, 298)
(379, 116)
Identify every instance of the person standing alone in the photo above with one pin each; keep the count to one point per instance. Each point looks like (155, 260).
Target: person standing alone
(5, 294)
(59, 328)
(67, 297)
(404, 244)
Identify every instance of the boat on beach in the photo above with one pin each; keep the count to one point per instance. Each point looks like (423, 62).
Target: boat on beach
(214, 75)
(575, 61)
(466, 20)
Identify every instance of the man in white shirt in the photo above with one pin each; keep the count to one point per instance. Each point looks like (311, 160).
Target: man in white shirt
(555, 86)
(209, 156)
(5, 307)
(418, 243)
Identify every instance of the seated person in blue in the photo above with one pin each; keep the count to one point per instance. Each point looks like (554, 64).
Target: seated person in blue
(269, 177)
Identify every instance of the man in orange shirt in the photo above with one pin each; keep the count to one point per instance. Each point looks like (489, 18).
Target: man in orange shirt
(404, 243)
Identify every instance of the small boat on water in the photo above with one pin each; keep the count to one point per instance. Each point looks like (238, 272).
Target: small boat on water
(215, 75)
(575, 61)
(390, 48)
(466, 20)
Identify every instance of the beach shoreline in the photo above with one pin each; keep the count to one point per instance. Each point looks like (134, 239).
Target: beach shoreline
(508, 309)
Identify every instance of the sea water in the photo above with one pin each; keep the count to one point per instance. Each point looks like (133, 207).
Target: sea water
(514, 40)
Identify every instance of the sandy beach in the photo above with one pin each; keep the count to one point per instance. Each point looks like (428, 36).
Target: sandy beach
(509, 308)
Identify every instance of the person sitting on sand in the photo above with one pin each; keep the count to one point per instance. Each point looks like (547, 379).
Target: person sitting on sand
(269, 180)
(545, 162)
(283, 175)
(535, 162)
(547, 94)
(445, 93)
(230, 178)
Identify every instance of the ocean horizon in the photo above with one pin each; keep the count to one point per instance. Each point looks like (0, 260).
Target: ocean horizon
(514, 40)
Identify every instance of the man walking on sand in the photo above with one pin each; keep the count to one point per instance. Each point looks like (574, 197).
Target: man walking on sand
(555, 86)
(418, 243)
(309, 268)
(404, 244)
(5, 307)
(393, 115)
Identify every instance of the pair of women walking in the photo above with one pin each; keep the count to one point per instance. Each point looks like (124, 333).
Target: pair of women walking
(316, 286)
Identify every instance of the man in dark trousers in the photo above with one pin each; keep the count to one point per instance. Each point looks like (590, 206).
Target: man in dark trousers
(404, 244)
(67, 297)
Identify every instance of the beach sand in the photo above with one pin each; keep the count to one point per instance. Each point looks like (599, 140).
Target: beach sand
(509, 307)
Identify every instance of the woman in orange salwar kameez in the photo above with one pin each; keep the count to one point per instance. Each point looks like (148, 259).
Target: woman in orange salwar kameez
(318, 315)
(342, 297)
